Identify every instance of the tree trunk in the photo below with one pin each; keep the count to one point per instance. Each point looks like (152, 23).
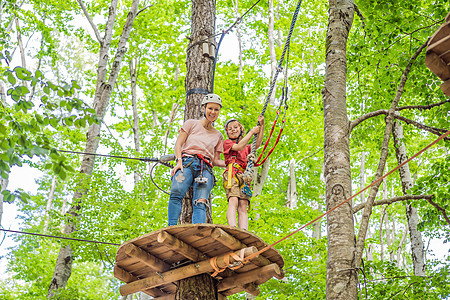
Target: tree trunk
(400, 245)
(104, 88)
(417, 250)
(133, 64)
(341, 278)
(292, 191)
(198, 76)
(239, 37)
(49, 203)
(3, 185)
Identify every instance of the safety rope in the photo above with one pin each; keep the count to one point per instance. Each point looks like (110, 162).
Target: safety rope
(345, 201)
(248, 174)
(58, 237)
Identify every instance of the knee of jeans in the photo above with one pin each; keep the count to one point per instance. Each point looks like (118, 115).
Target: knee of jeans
(201, 203)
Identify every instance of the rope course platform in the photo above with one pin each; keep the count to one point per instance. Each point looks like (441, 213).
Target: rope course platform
(437, 57)
(152, 263)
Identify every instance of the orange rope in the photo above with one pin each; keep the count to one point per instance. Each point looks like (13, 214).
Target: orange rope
(340, 204)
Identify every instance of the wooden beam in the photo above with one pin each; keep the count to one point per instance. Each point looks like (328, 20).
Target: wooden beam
(232, 243)
(440, 42)
(181, 273)
(437, 65)
(221, 297)
(167, 297)
(250, 288)
(146, 258)
(172, 297)
(123, 275)
(445, 87)
(226, 239)
(180, 247)
(259, 276)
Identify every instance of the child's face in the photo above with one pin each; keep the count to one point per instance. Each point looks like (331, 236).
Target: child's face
(233, 130)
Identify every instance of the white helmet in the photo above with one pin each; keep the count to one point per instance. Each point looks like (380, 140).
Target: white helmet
(212, 98)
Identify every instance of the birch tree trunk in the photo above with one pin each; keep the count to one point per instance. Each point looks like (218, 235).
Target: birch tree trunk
(49, 203)
(292, 191)
(133, 65)
(104, 88)
(400, 245)
(239, 37)
(341, 278)
(417, 249)
(198, 76)
(3, 186)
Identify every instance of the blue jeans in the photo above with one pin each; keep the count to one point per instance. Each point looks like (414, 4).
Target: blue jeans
(181, 181)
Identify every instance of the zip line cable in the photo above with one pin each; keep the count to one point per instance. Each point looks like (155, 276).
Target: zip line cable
(163, 160)
(59, 237)
(345, 201)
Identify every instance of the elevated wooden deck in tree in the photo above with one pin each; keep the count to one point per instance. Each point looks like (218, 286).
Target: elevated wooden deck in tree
(154, 262)
(437, 57)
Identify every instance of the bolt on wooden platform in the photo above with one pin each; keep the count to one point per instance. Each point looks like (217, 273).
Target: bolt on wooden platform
(152, 263)
(437, 57)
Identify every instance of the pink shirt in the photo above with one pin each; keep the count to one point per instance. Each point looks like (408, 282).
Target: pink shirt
(200, 140)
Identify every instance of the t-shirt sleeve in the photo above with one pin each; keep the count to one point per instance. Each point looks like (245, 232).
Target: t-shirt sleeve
(187, 126)
(227, 147)
(220, 145)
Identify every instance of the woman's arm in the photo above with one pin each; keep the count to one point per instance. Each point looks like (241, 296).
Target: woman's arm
(178, 144)
(217, 161)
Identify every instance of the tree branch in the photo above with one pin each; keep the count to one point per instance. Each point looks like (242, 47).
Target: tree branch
(423, 107)
(376, 113)
(88, 17)
(433, 130)
(441, 209)
(392, 200)
(361, 237)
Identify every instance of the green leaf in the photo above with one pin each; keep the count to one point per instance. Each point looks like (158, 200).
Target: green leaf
(11, 78)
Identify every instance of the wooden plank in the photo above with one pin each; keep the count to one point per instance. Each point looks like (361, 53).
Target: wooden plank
(445, 87)
(148, 259)
(261, 275)
(167, 297)
(125, 276)
(250, 288)
(172, 297)
(179, 246)
(437, 65)
(180, 273)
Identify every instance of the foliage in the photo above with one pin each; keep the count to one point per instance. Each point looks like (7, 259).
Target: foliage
(44, 112)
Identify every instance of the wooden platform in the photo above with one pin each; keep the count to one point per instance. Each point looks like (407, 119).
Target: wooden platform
(152, 263)
(437, 57)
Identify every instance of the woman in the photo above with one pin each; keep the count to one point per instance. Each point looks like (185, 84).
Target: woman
(197, 150)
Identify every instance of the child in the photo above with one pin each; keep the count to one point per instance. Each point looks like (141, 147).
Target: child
(236, 150)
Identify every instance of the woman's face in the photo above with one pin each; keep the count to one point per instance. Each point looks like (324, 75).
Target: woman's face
(212, 111)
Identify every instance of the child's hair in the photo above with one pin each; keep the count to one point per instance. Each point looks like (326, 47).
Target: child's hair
(231, 121)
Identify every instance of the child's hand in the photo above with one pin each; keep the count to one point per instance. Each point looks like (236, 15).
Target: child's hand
(255, 130)
(261, 120)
